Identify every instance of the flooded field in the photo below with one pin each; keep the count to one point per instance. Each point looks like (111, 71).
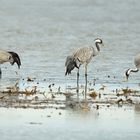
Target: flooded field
(38, 100)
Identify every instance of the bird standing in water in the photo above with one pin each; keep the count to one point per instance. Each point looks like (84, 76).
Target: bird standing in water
(82, 56)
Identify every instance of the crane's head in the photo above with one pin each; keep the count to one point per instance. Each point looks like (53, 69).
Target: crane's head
(127, 73)
(99, 41)
(14, 58)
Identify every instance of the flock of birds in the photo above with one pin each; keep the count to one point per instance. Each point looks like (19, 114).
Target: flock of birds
(82, 56)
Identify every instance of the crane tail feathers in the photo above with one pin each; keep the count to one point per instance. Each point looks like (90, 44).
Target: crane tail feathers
(70, 65)
(69, 69)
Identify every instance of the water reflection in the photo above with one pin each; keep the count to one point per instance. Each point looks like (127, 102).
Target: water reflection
(137, 110)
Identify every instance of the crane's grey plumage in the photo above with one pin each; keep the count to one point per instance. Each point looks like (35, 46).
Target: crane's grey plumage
(137, 65)
(80, 57)
(8, 56)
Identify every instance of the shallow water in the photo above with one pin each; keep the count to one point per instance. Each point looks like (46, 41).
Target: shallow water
(102, 124)
(43, 33)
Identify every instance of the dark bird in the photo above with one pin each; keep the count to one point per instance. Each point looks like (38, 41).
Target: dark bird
(137, 65)
(82, 56)
(7, 56)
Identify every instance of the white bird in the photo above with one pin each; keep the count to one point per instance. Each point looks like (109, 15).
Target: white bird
(80, 57)
(7, 56)
(137, 65)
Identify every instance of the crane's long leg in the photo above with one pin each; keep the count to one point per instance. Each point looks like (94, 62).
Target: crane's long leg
(0, 72)
(77, 90)
(86, 83)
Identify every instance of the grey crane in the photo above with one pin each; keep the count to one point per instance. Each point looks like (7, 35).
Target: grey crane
(137, 65)
(82, 56)
(8, 56)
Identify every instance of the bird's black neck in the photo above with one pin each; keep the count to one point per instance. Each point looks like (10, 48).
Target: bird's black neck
(97, 46)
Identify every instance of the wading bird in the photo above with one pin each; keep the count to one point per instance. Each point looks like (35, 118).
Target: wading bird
(80, 57)
(7, 56)
(137, 65)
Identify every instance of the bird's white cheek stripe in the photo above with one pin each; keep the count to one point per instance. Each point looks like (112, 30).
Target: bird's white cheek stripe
(97, 40)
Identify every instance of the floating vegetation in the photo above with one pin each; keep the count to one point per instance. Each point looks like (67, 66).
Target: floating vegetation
(127, 91)
(15, 90)
(54, 96)
(29, 79)
(93, 94)
(103, 87)
(35, 123)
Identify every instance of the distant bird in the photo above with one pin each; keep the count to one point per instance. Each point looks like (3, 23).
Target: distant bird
(7, 56)
(80, 57)
(137, 65)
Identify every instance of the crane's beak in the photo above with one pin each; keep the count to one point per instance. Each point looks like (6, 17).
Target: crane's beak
(126, 79)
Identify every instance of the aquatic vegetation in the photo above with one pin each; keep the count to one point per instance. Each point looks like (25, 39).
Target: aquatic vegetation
(127, 91)
(93, 94)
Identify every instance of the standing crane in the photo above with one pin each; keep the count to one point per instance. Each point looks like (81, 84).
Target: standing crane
(7, 56)
(137, 65)
(82, 56)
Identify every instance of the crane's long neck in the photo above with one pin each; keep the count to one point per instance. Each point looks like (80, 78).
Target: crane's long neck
(133, 70)
(96, 49)
(97, 46)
